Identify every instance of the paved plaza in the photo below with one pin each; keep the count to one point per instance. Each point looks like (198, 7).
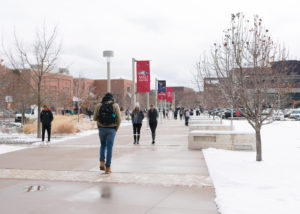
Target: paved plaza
(146, 178)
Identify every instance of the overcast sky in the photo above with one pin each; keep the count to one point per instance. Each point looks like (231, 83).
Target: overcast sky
(170, 33)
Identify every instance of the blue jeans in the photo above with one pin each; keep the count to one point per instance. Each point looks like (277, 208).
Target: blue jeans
(107, 137)
(187, 121)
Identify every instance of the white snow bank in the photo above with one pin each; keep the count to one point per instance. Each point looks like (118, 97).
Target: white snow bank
(244, 186)
(6, 148)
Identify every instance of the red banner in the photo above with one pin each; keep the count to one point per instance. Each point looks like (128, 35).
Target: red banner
(161, 96)
(143, 76)
(169, 95)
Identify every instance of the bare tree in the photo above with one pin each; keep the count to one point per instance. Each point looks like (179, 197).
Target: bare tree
(35, 62)
(206, 81)
(243, 65)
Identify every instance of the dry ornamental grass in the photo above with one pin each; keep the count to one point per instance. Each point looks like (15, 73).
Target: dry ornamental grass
(63, 124)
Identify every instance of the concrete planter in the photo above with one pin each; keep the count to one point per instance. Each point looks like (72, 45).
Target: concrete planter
(230, 140)
(211, 127)
(204, 122)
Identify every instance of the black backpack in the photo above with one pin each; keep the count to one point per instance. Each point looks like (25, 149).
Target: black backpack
(107, 116)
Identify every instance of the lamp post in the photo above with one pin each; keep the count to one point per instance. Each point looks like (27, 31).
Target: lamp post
(133, 80)
(108, 54)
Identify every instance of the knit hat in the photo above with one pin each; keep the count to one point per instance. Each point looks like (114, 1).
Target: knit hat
(107, 97)
(137, 105)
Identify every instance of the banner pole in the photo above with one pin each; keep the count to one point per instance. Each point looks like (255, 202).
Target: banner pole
(133, 81)
(156, 93)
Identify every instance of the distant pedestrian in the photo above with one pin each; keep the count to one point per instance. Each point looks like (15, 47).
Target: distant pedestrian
(89, 112)
(175, 114)
(46, 120)
(181, 113)
(108, 117)
(152, 117)
(137, 117)
(187, 117)
(164, 113)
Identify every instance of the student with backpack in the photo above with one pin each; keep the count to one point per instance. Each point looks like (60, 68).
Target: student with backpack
(46, 117)
(108, 117)
(137, 117)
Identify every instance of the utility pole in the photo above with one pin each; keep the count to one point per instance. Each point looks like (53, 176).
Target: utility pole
(108, 55)
(133, 81)
(156, 93)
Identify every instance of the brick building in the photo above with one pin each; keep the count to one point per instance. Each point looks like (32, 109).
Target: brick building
(185, 96)
(290, 80)
(122, 90)
(61, 91)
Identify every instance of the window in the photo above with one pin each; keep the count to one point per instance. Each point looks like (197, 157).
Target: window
(66, 90)
(128, 89)
(53, 88)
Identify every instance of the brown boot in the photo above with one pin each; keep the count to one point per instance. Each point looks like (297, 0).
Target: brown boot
(107, 170)
(102, 165)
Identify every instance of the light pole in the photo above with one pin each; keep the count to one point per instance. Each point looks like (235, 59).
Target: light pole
(108, 54)
(133, 80)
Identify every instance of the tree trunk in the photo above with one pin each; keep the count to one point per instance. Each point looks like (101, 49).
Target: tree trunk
(258, 145)
(23, 115)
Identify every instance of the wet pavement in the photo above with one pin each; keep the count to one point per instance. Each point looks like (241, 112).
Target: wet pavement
(146, 178)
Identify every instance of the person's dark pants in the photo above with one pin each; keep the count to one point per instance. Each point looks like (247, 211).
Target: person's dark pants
(153, 126)
(44, 128)
(136, 132)
(187, 121)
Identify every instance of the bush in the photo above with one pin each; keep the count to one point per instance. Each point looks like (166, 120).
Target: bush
(62, 124)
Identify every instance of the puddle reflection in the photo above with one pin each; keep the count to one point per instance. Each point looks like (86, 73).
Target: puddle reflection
(105, 192)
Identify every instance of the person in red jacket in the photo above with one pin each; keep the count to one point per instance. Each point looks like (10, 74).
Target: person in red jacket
(46, 120)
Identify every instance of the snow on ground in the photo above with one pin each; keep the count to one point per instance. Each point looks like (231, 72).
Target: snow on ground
(6, 148)
(11, 141)
(244, 186)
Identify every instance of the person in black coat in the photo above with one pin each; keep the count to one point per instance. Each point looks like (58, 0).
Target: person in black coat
(152, 117)
(46, 120)
(137, 117)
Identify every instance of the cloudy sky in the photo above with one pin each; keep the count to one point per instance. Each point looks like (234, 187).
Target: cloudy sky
(170, 33)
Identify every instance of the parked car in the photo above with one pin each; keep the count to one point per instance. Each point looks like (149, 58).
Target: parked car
(30, 113)
(287, 113)
(295, 114)
(266, 111)
(278, 115)
(236, 113)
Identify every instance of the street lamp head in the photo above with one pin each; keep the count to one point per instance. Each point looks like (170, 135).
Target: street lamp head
(108, 54)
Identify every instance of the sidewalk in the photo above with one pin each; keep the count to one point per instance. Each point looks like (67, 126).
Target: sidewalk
(65, 177)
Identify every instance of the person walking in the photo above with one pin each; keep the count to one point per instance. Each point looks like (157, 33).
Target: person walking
(137, 117)
(108, 117)
(152, 117)
(187, 117)
(46, 120)
(181, 113)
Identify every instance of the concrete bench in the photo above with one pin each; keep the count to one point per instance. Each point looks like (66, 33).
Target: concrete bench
(216, 127)
(204, 122)
(230, 140)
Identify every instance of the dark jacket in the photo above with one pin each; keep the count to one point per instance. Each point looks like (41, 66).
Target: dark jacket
(140, 117)
(152, 116)
(46, 117)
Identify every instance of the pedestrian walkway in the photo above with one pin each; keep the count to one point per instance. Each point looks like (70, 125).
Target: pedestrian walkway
(146, 178)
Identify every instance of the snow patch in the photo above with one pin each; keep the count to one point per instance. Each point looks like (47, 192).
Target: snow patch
(271, 186)
(6, 148)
